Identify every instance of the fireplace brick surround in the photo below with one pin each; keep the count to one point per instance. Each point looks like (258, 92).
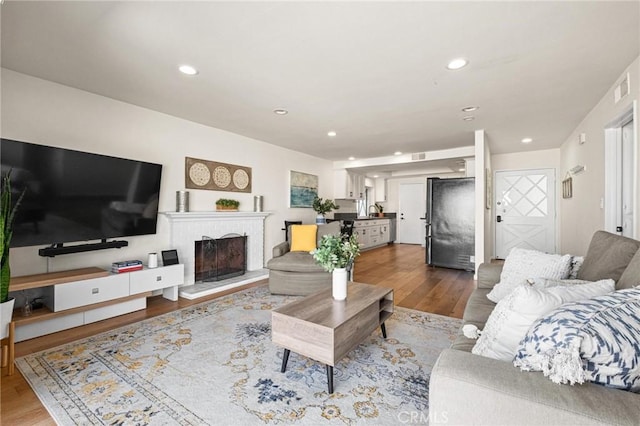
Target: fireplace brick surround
(187, 227)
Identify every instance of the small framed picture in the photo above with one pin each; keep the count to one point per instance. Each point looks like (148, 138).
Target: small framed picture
(170, 257)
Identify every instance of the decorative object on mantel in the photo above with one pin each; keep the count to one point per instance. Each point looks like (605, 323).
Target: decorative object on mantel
(567, 186)
(323, 207)
(258, 200)
(336, 255)
(214, 176)
(303, 188)
(227, 205)
(182, 201)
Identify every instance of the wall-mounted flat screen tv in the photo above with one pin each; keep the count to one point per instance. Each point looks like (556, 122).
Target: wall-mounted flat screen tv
(78, 196)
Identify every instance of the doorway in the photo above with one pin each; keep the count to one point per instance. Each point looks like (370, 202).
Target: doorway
(411, 207)
(525, 211)
(620, 175)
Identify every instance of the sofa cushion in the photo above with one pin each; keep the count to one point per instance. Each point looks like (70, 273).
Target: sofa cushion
(478, 308)
(522, 264)
(303, 237)
(631, 275)
(514, 314)
(295, 261)
(596, 340)
(332, 228)
(607, 257)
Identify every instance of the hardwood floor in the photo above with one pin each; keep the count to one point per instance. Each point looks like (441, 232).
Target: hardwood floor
(399, 266)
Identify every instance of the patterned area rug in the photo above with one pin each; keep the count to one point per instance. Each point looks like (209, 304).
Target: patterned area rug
(214, 363)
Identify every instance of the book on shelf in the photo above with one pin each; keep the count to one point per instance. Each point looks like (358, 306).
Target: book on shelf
(126, 266)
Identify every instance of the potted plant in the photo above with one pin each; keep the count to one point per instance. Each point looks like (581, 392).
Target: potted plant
(7, 216)
(323, 207)
(226, 204)
(379, 209)
(336, 255)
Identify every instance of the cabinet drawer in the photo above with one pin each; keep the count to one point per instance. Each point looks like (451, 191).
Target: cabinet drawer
(155, 279)
(374, 231)
(86, 292)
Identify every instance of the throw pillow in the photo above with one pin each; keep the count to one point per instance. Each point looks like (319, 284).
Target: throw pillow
(607, 257)
(596, 340)
(513, 315)
(576, 263)
(521, 264)
(303, 237)
(631, 275)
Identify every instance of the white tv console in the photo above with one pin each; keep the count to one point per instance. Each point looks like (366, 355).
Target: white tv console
(82, 296)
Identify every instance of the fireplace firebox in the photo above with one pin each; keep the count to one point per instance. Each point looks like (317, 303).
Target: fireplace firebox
(218, 259)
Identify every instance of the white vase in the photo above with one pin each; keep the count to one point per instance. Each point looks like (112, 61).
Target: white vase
(320, 220)
(339, 277)
(6, 312)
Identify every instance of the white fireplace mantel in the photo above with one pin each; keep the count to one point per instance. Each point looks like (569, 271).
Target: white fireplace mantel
(187, 227)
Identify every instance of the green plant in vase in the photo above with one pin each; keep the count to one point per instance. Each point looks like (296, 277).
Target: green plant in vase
(336, 252)
(323, 207)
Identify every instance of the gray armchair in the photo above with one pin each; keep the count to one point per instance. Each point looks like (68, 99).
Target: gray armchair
(297, 273)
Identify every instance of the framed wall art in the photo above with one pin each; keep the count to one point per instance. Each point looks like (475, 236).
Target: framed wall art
(303, 188)
(215, 176)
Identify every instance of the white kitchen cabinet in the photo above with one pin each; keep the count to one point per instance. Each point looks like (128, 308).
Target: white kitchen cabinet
(371, 232)
(381, 190)
(348, 186)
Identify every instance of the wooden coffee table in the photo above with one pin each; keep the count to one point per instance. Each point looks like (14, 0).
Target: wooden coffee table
(325, 329)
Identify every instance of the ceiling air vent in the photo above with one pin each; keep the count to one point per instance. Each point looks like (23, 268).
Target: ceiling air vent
(418, 156)
(621, 89)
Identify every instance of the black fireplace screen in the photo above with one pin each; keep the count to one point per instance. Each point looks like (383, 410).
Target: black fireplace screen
(221, 258)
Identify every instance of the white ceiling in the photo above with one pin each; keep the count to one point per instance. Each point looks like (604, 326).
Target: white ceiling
(374, 72)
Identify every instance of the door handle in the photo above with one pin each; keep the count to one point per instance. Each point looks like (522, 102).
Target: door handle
(498, 218)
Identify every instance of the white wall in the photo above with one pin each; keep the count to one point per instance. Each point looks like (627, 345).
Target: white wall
(39, 111)
(582, 215)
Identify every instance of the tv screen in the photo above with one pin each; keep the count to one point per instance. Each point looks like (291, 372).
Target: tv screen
(78, 196)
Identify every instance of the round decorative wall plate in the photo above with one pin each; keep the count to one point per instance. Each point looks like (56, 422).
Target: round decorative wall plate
(240, 179)
(221, 176)
(199, 174)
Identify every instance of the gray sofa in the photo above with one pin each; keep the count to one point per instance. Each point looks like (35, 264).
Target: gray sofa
(468, 389)
(297, 273)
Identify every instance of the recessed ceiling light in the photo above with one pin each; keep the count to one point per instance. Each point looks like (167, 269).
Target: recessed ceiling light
(351, 158)
(375, 176)
(397, 153)
(527, 140)
(461, 169)
(470, 108)
(468, 118)
(281, 111)
(457, 63)
(331, 134)
(188, 69)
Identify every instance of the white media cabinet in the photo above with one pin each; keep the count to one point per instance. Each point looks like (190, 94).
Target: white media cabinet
(82, 296)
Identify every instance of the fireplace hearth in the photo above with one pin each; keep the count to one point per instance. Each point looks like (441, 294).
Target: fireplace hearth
(218, 259)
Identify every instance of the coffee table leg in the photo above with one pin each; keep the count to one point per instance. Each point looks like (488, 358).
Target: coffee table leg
(330, 377)
(285, 358)
(384, 330)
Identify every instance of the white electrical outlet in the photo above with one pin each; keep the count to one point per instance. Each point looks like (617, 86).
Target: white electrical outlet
(472, 259)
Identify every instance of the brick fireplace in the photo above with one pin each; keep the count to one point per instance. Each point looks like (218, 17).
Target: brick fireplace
(185, 228)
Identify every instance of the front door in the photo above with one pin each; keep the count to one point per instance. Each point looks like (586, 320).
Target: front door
(525, 211)
(412, 206)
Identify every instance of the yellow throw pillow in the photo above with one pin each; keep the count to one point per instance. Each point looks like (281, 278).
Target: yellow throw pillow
(303, 237)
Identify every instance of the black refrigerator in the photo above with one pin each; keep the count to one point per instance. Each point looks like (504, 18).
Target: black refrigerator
(451, 223)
